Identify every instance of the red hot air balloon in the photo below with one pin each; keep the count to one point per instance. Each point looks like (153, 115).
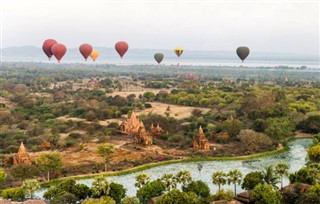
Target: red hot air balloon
(85, 50)
(121, 48)
(58, 50)
(46, 47)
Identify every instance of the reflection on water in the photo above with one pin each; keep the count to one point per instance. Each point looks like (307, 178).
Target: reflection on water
(296, 158)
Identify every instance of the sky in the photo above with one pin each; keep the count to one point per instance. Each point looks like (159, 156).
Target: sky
(263, 26)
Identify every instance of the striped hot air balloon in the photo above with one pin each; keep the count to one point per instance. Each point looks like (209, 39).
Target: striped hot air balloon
(178, 51)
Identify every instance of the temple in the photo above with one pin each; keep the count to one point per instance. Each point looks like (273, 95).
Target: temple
(156, 131)
(135, 128)
(142, 137)
(200, 142)
(22, 157)
(131, 125)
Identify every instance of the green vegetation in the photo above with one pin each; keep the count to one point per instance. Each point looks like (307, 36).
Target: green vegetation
(52, 109)
(105, 151)
(49, 162)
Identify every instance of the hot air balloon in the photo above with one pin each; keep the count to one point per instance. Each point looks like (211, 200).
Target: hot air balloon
(85, 50)
(121, 48)
(243, 52)
(178, 51)
(58, 50)
(158, 57)
(94, 55)
(46, 47)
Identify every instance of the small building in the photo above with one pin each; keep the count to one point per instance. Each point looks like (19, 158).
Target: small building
(22, 157)
(200, 142)
(156, 131)
(244, 197)
(221, 137)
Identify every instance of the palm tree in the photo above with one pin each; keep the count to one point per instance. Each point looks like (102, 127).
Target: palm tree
(270, 177)
(183, 177)
(235, 177)
(282, 170)
(219, 178)
(142, 179)
(100, 187)
(169, 181)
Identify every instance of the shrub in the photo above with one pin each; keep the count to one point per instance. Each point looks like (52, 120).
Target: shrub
(16, 194)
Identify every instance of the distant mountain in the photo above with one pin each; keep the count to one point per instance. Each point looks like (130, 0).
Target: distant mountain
(109, 55)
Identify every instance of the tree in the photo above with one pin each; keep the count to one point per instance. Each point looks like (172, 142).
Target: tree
(312, 194)
(183, 177)
(24, 171)
(234, 177)
(117, 192)
(282, 170)
(306, 175)
(252, 179)
(219, 178)
(16, 194)
(30, 186)
(100, 187)
(252, 140)
(270, 177)
(150, 190)
(291, 195)
(232, 127)
(169, 181)
(49, 162)
(200, 188)
(221, 195)
(278, 128)
(149, 96)
(81, 191)
(142, 179)
(314, 153)
(265, 194)
(102, 200)
(3, 176)
(177, 197)
(106, 151)
(311, 124)
(65, 198)
(130, 200)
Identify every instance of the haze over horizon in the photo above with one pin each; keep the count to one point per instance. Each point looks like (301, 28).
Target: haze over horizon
(276, 27)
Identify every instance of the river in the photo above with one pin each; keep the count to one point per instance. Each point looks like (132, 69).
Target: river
(295, 157)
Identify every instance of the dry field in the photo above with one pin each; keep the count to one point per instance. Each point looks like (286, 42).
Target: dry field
(176, 111)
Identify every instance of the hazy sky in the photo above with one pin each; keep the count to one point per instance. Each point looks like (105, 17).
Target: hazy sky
(266, 26)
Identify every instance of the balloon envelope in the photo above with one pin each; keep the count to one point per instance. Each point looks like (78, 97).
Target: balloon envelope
(94, 55)
(85, 50)
(158, 57)
(178, 51)
(58, 50)
(121, 48)
(46, 47)
(243, 52)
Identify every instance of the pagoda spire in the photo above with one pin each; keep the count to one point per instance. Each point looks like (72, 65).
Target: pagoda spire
(200, 130)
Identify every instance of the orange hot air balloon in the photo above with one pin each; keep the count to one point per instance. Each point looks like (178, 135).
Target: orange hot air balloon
(121, 48)
(46, 47)
(58, 50)
(94, 55)
(178, 51)
(85, 50)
